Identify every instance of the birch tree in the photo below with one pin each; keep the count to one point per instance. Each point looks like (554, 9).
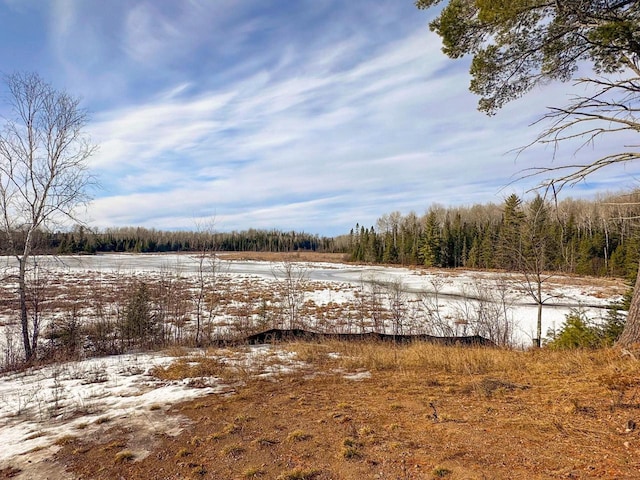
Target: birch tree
(43, 174)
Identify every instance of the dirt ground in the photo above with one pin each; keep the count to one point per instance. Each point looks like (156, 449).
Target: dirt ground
(531, 416)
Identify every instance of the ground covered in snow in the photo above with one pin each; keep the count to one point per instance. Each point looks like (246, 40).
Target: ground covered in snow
(42, 410)
(243, 296)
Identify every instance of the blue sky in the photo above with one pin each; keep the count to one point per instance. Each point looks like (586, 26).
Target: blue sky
(308, 115)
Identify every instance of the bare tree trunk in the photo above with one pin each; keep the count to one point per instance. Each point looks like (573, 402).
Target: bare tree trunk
(200, 298)
(539, 326)
(631, 333)
(24, 315)
(35, 297)
(292, 285)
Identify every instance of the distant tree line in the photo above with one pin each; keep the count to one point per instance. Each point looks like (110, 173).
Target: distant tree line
(143, 240)
(587, 237)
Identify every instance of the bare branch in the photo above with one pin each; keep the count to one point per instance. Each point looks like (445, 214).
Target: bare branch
(613, 108)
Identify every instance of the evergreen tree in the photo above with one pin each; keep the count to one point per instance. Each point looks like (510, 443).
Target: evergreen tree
(518, 45)
(509, 238)
(487, 248)
(430, 242)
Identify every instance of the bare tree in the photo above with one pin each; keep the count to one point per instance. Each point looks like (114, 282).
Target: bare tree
(43, 173)
(209, 267)
(370, 303)
(610, 109)
(398, 305)
(437, 322)
(36, 283)
(292, 280)
(494, 318)
(534, 258)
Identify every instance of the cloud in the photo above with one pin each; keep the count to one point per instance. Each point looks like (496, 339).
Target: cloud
(305, 115)
(363, 132)
(147, 33)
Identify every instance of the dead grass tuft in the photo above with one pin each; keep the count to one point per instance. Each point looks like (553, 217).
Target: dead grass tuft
(487, 387)
(253, 472)
(115, 444)
(299, 474)
(65, 440)
(441, 472)
(177, 351)
(351, 449)
(298, 436)
(183, 452)
(199, 470)
(191, 367)
(266, 442)
(233, 450)
(124, 456)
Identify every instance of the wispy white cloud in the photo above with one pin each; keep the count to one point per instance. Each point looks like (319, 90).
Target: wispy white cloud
(148, 33)
(307, 115)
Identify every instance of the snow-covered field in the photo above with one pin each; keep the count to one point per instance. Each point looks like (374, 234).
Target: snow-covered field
(563, 292)
(450, 296)
(40, 407)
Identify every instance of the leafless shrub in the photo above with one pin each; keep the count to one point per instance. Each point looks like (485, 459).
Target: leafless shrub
(369, 305)
(292, 280)
(11, 357)
(437, 323)
(398, 305)
(486, 310)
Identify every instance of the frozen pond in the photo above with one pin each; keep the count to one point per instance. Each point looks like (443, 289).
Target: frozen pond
(448, 293)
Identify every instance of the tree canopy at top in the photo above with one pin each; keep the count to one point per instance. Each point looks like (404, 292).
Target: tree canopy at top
(517, 44)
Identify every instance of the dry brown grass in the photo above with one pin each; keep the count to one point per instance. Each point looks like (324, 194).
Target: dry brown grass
(426, 412)
(65, 440)
(123, 456)
(279, 257)
(191, 367)
(374, 356)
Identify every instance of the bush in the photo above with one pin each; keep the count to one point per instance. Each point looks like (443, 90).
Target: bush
(139, 326)
(578, 331)
(65, 334)
(612, 326)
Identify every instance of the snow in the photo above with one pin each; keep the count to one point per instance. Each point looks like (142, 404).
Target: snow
(61, 399)
(459, 292)
(358, 376)
(42, 405)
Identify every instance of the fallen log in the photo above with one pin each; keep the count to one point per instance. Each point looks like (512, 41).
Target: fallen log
(276, 335)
